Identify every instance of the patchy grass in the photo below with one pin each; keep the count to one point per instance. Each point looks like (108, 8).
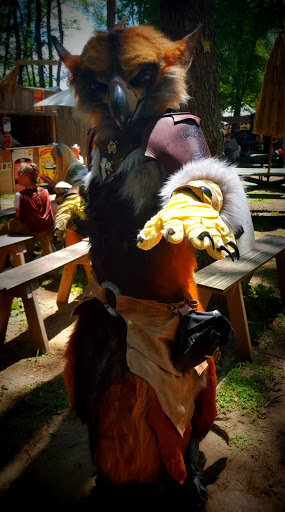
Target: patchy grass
(245, 388)
(262, 307)
(38, 404)
(17, 307)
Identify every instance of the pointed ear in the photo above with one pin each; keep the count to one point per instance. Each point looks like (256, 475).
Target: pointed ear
(121, 23)
(190, 46)
(70, 61)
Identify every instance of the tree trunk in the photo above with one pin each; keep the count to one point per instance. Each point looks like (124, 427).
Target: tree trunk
(7, 42)
(38, 22)
(60, 28)
(49, 43)
(27, 42)
(178, 19)
(18, 42)
(111, 13)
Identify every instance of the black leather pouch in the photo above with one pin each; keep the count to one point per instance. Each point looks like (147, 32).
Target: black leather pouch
(198, 336)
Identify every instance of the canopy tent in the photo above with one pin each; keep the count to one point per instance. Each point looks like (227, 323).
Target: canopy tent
(270, 109)
(245, 116)
(63, 98)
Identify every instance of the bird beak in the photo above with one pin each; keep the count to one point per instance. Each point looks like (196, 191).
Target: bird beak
(123, 103)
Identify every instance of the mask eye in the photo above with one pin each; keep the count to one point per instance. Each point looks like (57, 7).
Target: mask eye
(93, 84)
(89, 79)
(145, 77)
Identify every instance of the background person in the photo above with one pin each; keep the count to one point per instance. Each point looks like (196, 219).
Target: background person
(33, 209)
(70, 219)
(232, 148)
(68, 169)
(76, 150)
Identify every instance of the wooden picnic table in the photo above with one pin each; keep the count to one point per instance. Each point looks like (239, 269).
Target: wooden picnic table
(15, 246)
(8, 212)
(16, 283)
(256, 176)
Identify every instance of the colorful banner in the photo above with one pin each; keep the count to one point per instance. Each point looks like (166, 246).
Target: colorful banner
(45, 160)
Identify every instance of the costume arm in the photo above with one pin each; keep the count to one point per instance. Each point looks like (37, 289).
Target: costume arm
(191, 212)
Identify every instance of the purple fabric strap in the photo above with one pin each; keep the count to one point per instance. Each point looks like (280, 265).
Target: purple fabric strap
(174, 140)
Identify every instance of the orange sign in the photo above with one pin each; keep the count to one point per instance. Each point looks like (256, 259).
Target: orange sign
(46, 160)
(38, 96)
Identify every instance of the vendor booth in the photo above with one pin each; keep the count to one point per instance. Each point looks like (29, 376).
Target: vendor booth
(28, 131)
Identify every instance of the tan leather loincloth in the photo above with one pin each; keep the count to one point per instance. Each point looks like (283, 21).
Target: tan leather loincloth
(151, 330)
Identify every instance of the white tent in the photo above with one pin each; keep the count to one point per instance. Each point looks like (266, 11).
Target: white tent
(246, 110)
(64, 98)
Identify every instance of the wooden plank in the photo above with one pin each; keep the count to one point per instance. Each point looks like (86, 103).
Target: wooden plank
(35, 321)
(68, 276)
(238, 318)
(5, 308)
(66, 282)
(38, 62)
(280, 263)
(222, 274)
(7, 240)
(37, 268)
(204, 297)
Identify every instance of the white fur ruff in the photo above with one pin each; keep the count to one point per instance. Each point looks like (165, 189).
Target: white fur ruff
(219, 172)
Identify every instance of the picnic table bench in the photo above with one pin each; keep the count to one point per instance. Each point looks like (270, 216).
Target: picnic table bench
(225, 276)
(23, 282)
(222, 277)
(256, 176)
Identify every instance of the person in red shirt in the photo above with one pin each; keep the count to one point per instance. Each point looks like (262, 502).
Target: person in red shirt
(33, 206)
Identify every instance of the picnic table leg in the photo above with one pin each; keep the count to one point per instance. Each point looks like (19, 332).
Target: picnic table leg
(66, 282)
(35, 321)
(204, 296)
(238, 320)
(5, 308)
(17, 254)
(280, 264)
(88, 270)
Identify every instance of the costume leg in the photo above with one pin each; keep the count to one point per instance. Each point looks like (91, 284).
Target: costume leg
(205, 405)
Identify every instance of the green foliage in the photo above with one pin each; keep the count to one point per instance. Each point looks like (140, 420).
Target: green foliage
(139, 12)
(17, 306)
(245, 388)
(80, 280)
(245, 33)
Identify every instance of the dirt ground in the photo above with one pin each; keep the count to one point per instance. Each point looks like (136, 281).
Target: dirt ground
(46, 460)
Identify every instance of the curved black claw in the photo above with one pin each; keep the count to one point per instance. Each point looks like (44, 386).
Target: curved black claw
(235, 247)
(140, 239)
(169, 231)
(223, 248)
(205, 234)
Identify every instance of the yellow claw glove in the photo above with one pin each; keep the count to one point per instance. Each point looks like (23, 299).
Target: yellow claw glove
(73, 206)
(185, 215)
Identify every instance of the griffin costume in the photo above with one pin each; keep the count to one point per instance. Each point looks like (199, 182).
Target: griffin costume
(155, 198)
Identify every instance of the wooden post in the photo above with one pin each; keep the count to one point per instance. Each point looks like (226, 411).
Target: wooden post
(270, 155)
(66, 282)
(238, 320)
(35, 321)
(280, 264)
(204, 296)
(5, 308)
(52, 129)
